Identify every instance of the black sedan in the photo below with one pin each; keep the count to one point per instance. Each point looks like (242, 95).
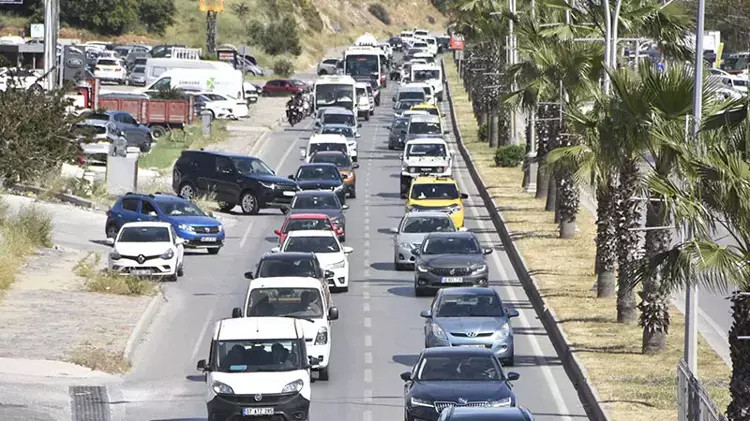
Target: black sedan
(325, 202)
(445, 377)
(321, 176)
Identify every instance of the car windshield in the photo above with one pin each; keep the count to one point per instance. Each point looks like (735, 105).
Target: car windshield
(249, 166)
(215, 97)
(450, 245)
(339, 160)
(279, 302)
(459, 368)
(361, 92)
(411, 95)
(426, 149)
(418, 127)
(424, 224)
(400, 123)
(274, 268)
(179, 208)
(319, 147)
(144, 235)
(95, 116)
(336, 118)
(257, 356)
(469, 305)
(312, 244)
(344, 131)
(426, 74)
(328, 201)
(334, 94)
(307, 224)
(139, 69)
(434, 191)
(322, 172)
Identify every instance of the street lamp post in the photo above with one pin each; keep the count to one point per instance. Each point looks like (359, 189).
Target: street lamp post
(51, 26)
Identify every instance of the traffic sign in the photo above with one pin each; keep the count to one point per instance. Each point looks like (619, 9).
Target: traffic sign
(457, 42)
(37, 30)
(211, 5)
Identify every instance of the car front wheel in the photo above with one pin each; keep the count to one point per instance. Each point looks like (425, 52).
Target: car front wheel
(111, 231)
(323, 374)
(249, 203)
(187, 191)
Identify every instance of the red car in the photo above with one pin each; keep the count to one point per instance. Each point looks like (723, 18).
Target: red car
(306, 222)
(282, 87)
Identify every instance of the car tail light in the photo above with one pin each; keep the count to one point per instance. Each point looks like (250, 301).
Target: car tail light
(118, 69)
(97, 68)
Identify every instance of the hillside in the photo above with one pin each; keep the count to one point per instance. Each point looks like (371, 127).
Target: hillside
(320, 23)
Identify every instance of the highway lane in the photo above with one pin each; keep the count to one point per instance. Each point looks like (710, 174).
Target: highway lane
(379, 333)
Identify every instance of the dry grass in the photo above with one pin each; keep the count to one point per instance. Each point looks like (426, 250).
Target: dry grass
(21, 234)
(99, 359)
(98, 280)
(55, 183)
(634, 386)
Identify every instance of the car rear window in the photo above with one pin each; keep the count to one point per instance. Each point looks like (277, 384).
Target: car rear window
(106, 63)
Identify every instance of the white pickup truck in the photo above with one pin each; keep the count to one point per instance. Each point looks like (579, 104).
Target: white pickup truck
(425, 156)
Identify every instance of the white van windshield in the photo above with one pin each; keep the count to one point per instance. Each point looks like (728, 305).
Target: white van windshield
(247, 356)
(428, 149)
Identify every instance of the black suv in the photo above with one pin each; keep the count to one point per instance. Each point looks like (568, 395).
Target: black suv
(235, 179)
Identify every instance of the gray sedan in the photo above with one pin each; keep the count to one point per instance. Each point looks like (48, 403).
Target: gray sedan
(411, 231)
(470, 317)
(449, 259)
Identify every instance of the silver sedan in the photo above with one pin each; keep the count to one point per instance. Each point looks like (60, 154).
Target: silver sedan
(411, 231)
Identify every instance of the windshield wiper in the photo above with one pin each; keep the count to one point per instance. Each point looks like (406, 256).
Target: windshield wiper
(300, 317)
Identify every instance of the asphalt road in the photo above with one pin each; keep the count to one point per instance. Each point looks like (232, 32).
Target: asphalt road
(379, 334)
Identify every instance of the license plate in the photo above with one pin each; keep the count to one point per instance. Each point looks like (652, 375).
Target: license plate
(209, 239)
(452, 280)
(257, 411)
(426, 169)
(474, 345)
(140, 272)
(288, 193)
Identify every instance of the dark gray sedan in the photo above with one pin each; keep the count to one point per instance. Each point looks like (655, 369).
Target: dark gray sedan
(474, 317)
(321, 201)
(449, 259)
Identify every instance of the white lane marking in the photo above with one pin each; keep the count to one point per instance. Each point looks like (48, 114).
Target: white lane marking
(368, 358)
(366, 295)
(247, 233)
(368, 395)
(366, 307)
(368, 322)
(204, 329)
(368, 341)
(562, 408)
(291, 147)
(368, 375)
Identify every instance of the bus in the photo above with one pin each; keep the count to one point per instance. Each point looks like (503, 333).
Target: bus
(363, 63)
(335, 91)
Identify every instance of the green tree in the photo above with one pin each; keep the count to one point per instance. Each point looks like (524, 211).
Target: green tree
(111, 17)
(156, 15)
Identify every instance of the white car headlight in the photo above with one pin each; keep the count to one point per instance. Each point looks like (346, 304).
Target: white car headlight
(221, 227)
(186, 227)
(293, 387)
(339, 187)
(338, 265)
(500, 403)
(222, 388)
(267, 185)
(455, 208)
(423, 268)
(503, 332)
(322, 337)
(421, 402)
(438, 332)
(114, 255)
(479, 268)
(167, 254)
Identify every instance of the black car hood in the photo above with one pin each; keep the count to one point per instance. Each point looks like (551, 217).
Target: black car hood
(273, 179)
(330, 212)
(451, 260)
(318, 184)
(452, 391)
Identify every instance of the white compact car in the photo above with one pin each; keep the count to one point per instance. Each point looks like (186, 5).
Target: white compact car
(110, 70)
(147, 249)
(365, 101)
(425, 156)
(296, 297)
(327, 248)
(331, 141)
(237, 108)
(258, 368)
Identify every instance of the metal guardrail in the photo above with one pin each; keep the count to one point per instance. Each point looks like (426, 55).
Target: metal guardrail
(693, 401)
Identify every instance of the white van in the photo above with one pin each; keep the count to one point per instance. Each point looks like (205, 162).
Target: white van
(155, 67)
(258, 367)
(431, 74)
(227, 82)
(329, 142)
(428, 155)
(302, 298)
(365, 100)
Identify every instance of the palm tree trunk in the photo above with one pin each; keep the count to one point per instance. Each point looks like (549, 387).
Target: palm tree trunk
(494, 127)
(542, 181)
(551, 194)
(654, 306)
(606, 239)
(627, 217)
(739, 351)
(568, 195)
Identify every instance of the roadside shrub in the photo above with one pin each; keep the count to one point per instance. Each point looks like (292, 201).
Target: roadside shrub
(380, 12)
(3, 211)
(510, 156)
(99, 359)
(283, 67)
(310, 15)
(168, 92)
(430, 19)
(97, 280)
(277, 37)
(34, 224)
(482, 132)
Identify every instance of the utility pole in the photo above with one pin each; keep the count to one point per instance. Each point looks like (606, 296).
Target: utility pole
(51, 28)
(691, 293)
(211, 31)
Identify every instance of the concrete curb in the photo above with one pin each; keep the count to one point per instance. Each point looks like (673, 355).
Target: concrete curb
(63, 197)
(144, 322)
(572, 364)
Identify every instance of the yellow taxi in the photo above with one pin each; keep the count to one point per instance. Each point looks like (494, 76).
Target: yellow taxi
(430, 108)
(430, 193)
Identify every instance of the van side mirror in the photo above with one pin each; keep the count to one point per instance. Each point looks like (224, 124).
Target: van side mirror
(512, 376)
(249, 275)
(512, 312)
(236, 313)
(464, 196)
(312, 361)
(427, 314)
(333, 313)
(202, 366)
(406, 376)
(394, 230)
(487, 251)
(403, 195)
(110, 241)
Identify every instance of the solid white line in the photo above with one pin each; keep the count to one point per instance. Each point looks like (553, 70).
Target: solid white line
(368, 358)
(368, 341)
(204, 329)
(562, 408)
(368, 375)
(368, 322)
(247, 233)
(291, 147)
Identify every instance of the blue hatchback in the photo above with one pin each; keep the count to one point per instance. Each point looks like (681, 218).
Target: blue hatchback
(189, 222)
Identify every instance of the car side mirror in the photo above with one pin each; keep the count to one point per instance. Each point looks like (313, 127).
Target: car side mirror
(446, 132)
(427, 314)
(463, 229)
(291, 177)
(512, 312)
(442, 114)
(487, 251)
(344, 207)
(464, 196)
(328, 274)
(277, 231)
(236, 313)
(403, 131)
(249, 275)
(344, 176)
(179, 241)
(405, 376)
(512, 376)
(403, 195)
(355, 166)
(359, 125)
(109, 241)
(333, 313)
(358, 135)
(275, 249)
(393, 99)
(312, 361)
(348, 250)
(415, 252)
(394, 230)
(202, 366)
(302, 153)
